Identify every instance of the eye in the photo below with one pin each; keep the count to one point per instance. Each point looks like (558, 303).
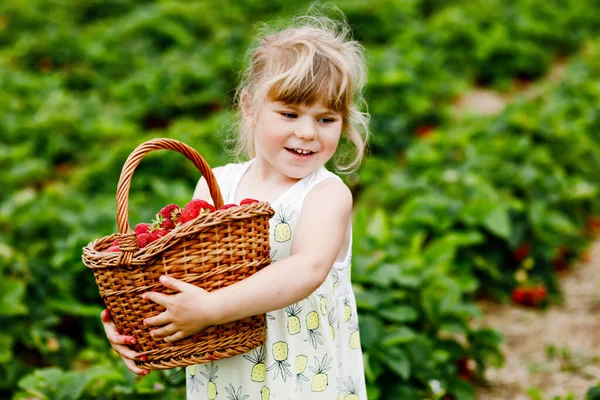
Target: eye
(327, 120)
(289, 115)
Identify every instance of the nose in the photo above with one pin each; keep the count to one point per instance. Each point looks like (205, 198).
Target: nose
(306, 129)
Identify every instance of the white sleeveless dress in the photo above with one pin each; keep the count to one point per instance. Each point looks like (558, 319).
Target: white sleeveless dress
(312, 348)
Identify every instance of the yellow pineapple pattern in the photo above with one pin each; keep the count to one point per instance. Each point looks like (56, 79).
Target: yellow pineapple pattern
(293, 321)
(354, 336)
(323, 302)
(283, 231)
(348, 390)
(193, 380)
(312, 325)
(233, 395)
(301, 363)
(336, 278)
(320, 380)
(211, 375)
(332, 319)
(259, 370)
(265, 393)
(347, 309)
(281, 366)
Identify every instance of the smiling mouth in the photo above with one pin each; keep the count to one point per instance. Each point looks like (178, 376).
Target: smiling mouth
(300, 151)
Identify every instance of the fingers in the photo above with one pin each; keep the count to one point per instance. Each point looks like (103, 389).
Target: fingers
(128, 353)
(175, 337)
(105, 316)
(158, 320)
(134, 368)
(111, 331)
(164, 331)
(174, 284)
(158, 298)
(115, 338)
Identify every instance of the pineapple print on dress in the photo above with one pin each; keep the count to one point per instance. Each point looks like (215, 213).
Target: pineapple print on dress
(323, 304)
(283, 231)
(281, 366)
(233, 395)
(349, 389)
(301, 363)
(355, 335)
(194, 381)
(312, 325)
(211, 375)
(293, 321)
(332, 319)
(265, 393)
(259, 370)
(347, 309)
(321, 380)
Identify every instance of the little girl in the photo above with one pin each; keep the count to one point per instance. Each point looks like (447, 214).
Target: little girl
(299, 97)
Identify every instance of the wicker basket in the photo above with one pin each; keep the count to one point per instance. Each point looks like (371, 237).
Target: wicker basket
(212, 251)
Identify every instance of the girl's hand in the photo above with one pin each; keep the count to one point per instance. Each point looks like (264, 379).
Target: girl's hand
(187, 312)
(119, 344)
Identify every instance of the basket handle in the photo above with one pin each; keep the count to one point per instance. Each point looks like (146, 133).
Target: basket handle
(133, 161)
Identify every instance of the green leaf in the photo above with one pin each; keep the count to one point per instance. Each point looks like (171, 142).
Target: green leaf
(593, 393)
(399, 313)
(397, 336)
(72, 385)
(384, 274)
(461, 390)
(378, 228)
(498, 222)
(398, 361)
(371, 330)
(12, 292)
(373, 367)
(6, 353)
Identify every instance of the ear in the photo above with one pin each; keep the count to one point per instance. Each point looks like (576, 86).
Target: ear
(245, 105)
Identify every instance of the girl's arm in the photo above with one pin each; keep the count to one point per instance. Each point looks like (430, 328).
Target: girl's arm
(318, 238)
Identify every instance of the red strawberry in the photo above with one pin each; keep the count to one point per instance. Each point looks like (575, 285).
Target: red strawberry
(530, 296)
(142, 228)
(248, 201)
(539, 295)
(226, 206)
(158, 233)
(560, 260)
(522, 252)
(518, 295)
(113, 249)
(115, 243)
(424, 130)
(466, 369)
(167, 224)
(205, 206)
(171, 212)
(143, 239)
(193, 209)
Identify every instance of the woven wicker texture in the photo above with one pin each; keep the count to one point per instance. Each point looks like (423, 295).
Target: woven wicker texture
(212, 251)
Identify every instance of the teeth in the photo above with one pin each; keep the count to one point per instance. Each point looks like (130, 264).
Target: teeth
(302, 151)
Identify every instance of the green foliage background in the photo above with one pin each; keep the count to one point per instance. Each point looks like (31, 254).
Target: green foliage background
(438, 218)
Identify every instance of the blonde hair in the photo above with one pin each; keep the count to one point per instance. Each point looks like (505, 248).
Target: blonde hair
(313, 59)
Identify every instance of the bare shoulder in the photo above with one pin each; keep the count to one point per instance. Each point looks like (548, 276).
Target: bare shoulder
(331, 194)
(326, 213)
(201, 191)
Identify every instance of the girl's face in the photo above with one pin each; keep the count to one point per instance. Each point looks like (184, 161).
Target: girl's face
(295, 139)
